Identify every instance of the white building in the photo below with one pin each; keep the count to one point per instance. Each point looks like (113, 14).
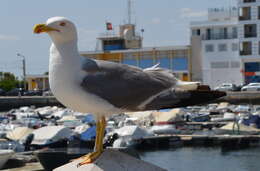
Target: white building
(215, 48)
(249, 38)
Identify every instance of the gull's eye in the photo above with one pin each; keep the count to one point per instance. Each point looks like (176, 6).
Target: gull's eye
(62, 24)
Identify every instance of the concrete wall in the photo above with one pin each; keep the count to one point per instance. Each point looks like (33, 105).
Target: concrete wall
(7, 103)
(196, 59)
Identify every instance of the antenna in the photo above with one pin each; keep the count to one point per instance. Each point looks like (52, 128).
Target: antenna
(129, 11)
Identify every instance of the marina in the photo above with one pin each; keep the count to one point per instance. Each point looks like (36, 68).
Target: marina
(143, 132)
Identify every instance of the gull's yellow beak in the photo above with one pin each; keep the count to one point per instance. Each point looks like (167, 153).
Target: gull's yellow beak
(40, 28)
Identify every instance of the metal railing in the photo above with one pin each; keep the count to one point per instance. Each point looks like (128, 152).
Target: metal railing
(245, 17)
(250, 34)
(218, 36)
(246, 52)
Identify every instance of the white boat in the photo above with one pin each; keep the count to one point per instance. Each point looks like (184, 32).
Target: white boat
(164, 129)
(5, 155)
(50, 134)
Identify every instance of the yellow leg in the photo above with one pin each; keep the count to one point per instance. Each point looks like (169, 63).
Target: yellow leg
(100, 131)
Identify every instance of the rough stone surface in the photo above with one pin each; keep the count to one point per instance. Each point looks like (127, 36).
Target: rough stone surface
(112, 160)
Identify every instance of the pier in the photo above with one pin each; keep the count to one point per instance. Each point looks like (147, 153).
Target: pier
(224, 141)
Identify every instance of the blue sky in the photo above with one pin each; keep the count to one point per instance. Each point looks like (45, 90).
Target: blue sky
(166, 22)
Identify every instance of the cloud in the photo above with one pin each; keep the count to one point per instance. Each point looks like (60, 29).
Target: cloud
(156, 20)
(191, 13)
(8, 37)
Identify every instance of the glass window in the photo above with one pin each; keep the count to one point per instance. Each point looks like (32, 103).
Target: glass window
(250, 30)
(234, 47)
(219, 64)
(209, 48)
(145, 63)
(234, 32)
(235, 64)
(246, 48)
(222, 47)
(249, 0)
(252, 66)
(130, 62)
(164, 62)
(180, 64)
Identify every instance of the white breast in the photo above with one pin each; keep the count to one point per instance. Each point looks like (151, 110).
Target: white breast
(65, 76)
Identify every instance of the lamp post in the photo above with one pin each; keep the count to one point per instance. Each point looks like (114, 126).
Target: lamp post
(24, 70)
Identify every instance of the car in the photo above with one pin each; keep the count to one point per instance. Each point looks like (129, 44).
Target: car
(15, 92)
(33, 93)
(226, 87)
(251, 87)
(47, 93)
(2, 92)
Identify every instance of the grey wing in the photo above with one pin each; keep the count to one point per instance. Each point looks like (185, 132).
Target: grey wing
(122, 85)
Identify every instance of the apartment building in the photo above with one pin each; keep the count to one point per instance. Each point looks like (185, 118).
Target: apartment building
(215, 48)
(249, 38)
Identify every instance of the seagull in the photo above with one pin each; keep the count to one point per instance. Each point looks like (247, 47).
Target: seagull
(104, 88)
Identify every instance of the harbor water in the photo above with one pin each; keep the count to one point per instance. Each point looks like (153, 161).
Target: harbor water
(204, 159)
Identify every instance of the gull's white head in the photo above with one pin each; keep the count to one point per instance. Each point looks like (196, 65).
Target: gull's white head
(60, 29)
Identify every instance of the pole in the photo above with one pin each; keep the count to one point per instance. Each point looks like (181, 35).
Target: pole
(24, 74)
(24, 70)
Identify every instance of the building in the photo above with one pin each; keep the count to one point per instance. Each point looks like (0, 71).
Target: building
(37, 82)
(126, 47)
(215, 48)
(249, 38)
(175, 58)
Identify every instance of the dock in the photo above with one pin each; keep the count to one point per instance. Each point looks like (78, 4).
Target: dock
(223, 141)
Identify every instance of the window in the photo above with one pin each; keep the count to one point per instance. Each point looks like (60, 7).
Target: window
(234, 32)
(222, 47)
(250, 30)
(217, 65)
(145, 63)
(209, 48)
(235, 64)
(244, 13)
(130, 62)
(258, 12)
(246, 48)
(245, 1)
(259, 48)
(180, 64)
(208, 35)
(164, 62)
(234, 47)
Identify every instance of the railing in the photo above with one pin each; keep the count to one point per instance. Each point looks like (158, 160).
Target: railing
(219, 36)
(250, 34)
(246, 52)
(246, 1)
(245, 17)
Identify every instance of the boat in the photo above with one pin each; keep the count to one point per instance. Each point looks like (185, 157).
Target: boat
(52, 158)
(50, 136)
(5, 155)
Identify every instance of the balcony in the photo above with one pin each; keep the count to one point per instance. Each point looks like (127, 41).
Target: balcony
(245, 52)
(248, 1)
(243, 18)
(250, 34)
(219, 36)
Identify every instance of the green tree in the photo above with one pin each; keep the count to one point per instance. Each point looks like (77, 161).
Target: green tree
(8, 81)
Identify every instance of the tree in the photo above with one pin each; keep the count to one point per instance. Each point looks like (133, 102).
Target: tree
(8, 81)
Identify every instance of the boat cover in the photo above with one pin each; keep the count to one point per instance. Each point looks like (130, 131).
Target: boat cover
(132, 131)
(89, 134)
(50, 134)
(19, 133)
